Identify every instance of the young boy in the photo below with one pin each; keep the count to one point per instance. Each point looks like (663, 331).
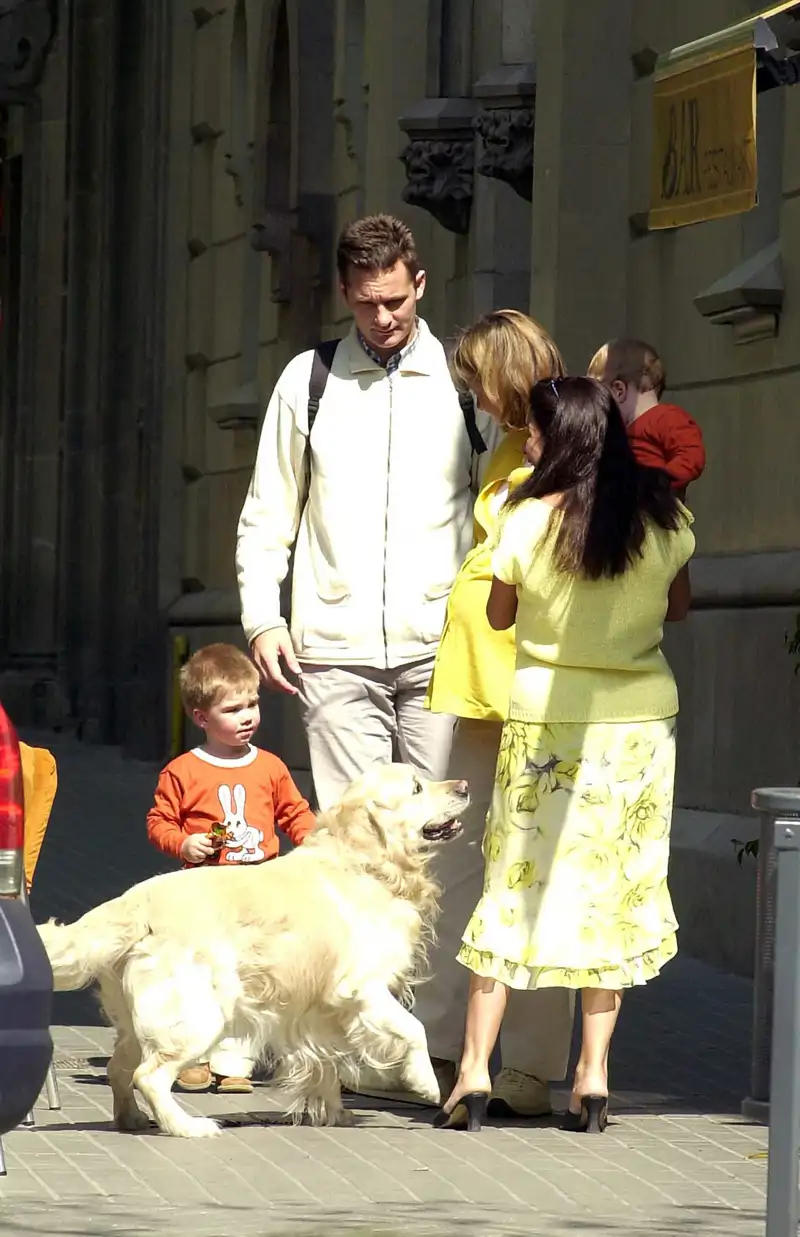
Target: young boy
(220, 804)
(661, 435)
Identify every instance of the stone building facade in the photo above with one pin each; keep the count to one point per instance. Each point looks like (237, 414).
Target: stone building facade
(174, 175)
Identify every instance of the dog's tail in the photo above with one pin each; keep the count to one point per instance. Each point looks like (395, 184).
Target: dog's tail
(80, 951)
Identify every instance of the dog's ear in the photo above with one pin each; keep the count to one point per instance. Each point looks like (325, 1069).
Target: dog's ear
(374, 814)
(358, 822)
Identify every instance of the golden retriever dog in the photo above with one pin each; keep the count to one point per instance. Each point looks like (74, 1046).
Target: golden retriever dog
(301, 955)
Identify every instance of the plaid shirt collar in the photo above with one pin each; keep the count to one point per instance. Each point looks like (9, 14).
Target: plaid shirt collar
(396, 359)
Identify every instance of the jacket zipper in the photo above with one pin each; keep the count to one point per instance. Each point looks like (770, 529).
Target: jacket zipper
(386, 522)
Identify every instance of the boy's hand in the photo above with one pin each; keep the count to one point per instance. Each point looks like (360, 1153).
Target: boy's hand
(197, 847)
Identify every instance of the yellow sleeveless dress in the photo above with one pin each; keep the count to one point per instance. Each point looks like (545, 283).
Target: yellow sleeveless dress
(474, 664)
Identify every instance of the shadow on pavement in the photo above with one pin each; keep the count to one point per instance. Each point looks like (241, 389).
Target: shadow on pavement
(456, 1220)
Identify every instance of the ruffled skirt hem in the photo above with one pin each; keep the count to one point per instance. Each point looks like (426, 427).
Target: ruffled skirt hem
(631, 973)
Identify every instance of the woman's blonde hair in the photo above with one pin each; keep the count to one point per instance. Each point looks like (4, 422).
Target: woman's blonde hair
(505, 353)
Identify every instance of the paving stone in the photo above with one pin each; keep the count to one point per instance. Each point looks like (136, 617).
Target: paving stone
(674, 1161)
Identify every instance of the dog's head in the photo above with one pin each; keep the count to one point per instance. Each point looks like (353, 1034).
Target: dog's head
(404, 812)
(389, 820)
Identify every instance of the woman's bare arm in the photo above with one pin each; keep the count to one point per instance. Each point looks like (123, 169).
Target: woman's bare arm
(501, 608)
(679, 598)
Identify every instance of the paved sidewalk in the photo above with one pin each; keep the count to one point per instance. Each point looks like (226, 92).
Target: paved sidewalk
(677, 1158)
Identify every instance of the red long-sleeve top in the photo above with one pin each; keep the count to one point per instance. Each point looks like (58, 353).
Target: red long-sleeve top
(244, 798)
(667, 437)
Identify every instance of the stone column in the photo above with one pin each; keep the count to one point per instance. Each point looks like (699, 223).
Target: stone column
(113, 391)
(495, 270)
(33, 178)
(85, 592)
(135, 643)
(581, 152)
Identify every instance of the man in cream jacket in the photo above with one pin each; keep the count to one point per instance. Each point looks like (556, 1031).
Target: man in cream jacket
(378, 507)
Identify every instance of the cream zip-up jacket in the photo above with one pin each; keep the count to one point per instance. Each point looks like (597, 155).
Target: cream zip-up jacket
(386, 522)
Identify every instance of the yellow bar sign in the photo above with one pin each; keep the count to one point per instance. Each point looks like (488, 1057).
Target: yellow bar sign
(704, 140)
(180, 655)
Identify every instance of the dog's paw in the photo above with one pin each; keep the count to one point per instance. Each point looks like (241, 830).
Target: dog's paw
(420, 1078)
(198, 1127)
(431, 1093)
(339, 1116)
(131, 1120)
(321, 1112)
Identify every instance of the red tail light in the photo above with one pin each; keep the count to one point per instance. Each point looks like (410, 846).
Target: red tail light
(12, 810)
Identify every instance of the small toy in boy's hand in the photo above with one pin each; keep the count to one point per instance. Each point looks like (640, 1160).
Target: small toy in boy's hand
(218, 833)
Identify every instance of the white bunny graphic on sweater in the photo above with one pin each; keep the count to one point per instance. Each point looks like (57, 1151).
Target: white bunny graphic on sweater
(242, 841)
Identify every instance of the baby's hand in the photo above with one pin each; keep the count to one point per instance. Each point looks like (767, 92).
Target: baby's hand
(197, 847)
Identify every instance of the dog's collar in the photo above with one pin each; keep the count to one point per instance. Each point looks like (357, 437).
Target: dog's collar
(239, 763)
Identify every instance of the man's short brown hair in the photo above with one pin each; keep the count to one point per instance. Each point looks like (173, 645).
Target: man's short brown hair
(213, 672)
(631, 361)
(376, 243)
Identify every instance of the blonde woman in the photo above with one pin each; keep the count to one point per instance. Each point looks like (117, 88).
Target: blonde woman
(499, 359)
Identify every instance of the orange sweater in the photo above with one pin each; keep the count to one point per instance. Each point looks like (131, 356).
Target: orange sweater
(249, 796)
(667, 437)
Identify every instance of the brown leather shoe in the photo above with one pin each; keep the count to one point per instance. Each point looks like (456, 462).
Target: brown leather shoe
(232, 1086)
(515, 1094)
(194, 1078)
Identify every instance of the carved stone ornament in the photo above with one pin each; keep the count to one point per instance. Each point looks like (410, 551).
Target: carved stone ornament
(239, 166)
(26, 32)
(505, 125)
(749, 299)
(272, 234)
(239, 409)
(439, 176)
(440, 160)
(507, 147)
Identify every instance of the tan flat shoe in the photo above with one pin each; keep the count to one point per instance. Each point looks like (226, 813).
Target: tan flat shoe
(233, 1086)
(194, 1078)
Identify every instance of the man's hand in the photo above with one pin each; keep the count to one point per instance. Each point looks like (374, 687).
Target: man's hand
(197, 847)
(267, 650)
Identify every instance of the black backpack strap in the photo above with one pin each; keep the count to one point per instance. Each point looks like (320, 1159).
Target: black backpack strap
(320, 372)
(467, 403)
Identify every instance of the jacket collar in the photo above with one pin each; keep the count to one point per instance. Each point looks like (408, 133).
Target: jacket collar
(418, 358)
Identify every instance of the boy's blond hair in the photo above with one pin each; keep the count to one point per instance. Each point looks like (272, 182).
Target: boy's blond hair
(505, 353)
(213, 672)
(631, 361)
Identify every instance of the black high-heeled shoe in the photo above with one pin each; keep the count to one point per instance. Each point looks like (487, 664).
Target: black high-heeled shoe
(592, 1118)
(468, 1114)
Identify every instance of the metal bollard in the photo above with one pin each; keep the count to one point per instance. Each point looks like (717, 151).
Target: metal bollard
(783, 1196)
(770, 804)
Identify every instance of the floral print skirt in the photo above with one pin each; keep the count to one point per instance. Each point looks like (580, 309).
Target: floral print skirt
(576, 849)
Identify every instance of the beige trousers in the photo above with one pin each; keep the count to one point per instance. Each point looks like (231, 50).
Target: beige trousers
(537, 1028)
(357, 716)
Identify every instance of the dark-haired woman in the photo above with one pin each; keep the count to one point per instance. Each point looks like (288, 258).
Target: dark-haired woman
(591, 559)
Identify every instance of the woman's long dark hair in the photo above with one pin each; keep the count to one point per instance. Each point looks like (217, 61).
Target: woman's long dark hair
(608, 497)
